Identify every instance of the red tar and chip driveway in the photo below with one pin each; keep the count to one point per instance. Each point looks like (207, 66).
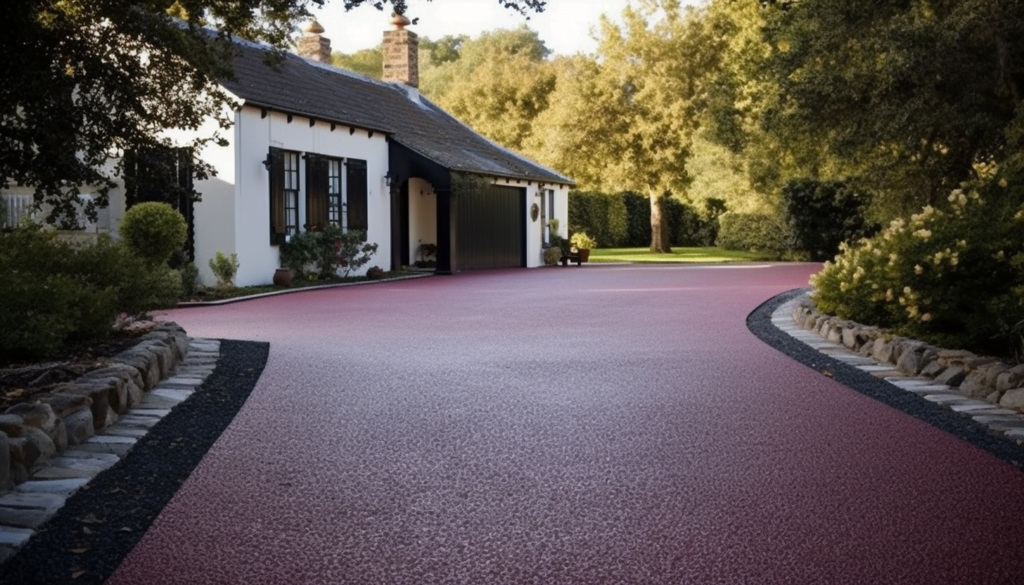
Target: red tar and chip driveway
(613, 424)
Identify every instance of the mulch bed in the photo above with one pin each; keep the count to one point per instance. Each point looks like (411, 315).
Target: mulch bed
(24, 381)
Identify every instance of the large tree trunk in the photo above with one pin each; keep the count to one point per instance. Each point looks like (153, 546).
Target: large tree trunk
(660, 243)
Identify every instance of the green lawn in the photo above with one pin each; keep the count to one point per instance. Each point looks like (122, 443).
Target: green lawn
(678, 255)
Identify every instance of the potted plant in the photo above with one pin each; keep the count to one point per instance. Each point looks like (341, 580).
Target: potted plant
(583, 244)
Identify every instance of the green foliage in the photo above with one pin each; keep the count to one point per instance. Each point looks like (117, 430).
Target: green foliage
(497, 83)
(599, 214)
(300, 253)
(552, 255)
(320, 254)
(755, 232)
(684, 225)
(153, 231)
(352, 250)
(625, 118)
(53, 292)
(224, 268)
(860, 83)
(955, 277)
(580, 240)
(368, 62)
(623, 219)
(824, 214)
(190, 281)
(638, 220)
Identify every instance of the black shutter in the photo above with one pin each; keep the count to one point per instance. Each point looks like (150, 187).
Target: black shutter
(277, 220)
(358, 217)
(316, 192)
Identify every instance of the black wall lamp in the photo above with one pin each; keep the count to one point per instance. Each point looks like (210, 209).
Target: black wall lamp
(267, 163)
(390, 178)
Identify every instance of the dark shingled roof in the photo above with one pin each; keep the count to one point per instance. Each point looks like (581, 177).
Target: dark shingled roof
(308, 88)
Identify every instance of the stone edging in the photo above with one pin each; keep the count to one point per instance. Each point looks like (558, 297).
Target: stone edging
(32, 433)
(969, 375)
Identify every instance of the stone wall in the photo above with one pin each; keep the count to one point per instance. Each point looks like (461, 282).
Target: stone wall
(31, 433)
(980, 377)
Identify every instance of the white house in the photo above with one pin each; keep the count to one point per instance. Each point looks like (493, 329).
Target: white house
(313, 144)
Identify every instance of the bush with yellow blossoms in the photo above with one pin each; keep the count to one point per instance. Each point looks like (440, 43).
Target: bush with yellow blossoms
(952, 275)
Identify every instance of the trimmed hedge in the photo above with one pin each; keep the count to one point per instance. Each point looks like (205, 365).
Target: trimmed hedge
(623, 220)
(755, 232)
(824, 214)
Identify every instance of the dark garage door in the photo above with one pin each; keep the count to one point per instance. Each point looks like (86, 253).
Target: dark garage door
(491, 230)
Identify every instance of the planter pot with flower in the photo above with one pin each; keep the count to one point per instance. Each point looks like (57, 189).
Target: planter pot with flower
(583, 243)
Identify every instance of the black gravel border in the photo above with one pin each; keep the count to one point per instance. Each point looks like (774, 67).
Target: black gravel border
(759, 323)
(85, 541)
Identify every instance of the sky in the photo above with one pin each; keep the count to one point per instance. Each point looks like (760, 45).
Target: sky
(564, 26)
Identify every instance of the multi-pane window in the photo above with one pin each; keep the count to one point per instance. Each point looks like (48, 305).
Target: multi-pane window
(334, 207)
(284, 195)
(335, 188)
(547, 213)
(291, 193)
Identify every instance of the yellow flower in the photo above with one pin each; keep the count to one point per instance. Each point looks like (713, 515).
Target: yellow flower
(923, 234)
(1002, 182)
(888, 295)
(1000, 255)
(918, 269)
(926, 317)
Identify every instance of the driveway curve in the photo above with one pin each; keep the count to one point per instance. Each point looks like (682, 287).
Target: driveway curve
(598, 425)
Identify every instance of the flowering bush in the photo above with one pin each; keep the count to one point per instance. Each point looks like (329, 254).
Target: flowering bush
(321, 253)
(954, 276)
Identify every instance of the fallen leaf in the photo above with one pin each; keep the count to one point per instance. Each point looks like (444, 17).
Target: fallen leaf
(90, 519)
(78, 551)
(827, 373)
(86, 530)
(124, 529)
(78, 573)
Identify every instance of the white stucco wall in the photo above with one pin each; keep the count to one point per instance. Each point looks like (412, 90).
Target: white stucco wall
(255, 136)
(422, 216)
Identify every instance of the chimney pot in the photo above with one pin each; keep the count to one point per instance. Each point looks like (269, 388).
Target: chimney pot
(312, 44)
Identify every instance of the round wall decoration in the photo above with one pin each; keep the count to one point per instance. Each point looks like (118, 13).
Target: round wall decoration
(534, 212)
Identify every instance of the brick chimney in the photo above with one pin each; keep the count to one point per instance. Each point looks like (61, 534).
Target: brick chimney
(401, 53)
(313, 45)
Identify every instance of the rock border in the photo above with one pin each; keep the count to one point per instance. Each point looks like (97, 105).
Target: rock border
(32, 433)
(969, 375)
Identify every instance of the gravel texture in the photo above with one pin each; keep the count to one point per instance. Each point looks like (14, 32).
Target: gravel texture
(962, 427)
(87, 539)
(564, 426)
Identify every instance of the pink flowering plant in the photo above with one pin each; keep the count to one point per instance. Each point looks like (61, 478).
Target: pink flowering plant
(953, 274)
(319, 254)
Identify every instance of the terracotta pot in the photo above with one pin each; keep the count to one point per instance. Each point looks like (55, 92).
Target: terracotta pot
(283, 277)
